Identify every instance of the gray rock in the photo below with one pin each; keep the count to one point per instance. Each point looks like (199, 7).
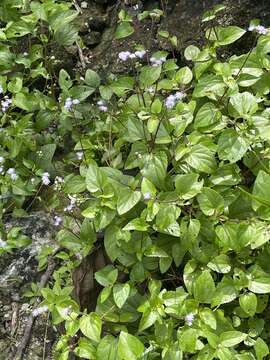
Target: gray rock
(19, 268)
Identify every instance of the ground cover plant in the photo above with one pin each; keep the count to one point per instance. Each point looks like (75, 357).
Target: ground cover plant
(169, 167)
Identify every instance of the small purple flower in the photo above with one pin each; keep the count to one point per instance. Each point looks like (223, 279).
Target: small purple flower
(189, 319)
(170, 101)
(124, 55)
(45, 178)
(179, 95)
(140, 53)
(79, 155)
(25, 53)
(132, 56)
(75, 101)
(261, 29)
(151, 90)
(58, 220)
(103, 108)
(251, 28)
(68, 103)
(147, 196)
(100, 102)
(40, 310)
(154, 15)
(3, 243)
(11, 172)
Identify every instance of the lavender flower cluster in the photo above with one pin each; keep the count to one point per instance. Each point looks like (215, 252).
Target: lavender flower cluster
(39, 311)
(45, 178)
(125, 55)
(69, 102)
(12, 173)
(3, 243)
(101, 106)
(5, 103)
(156, 62)
(261, 29)
(189, 319)
(170, 101)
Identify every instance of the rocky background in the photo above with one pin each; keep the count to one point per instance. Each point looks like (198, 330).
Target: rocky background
(97, 23)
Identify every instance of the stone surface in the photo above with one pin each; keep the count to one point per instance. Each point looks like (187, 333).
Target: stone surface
(16, 271)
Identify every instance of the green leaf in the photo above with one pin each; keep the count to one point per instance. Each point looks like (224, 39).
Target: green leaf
(85, 349)
(129, 347)
(224, 35)
(188, 186)
(163, 33)
(148, 319)
(120, 294)
(156, 106)
(149, 74)
(233, 235)
(167, 215)
(184, 75)
(201, 158)
(60, 18)
(220, 264)
(208, 317)
(123, 30)
(261, 190)
(75, 184)
(187, 340)
(225, 292)
(127, 199)
(107, 348)
(15, 85)
(136, 224)
(232, 146)
(106, 276)
(248, 303)
(209, 85)
(232, 338)
(210, 202)
(96, 179)
(242, 105)
(259, 280)
(92, 78)
(155, 168)
(191, 52)
(261, 349)
(90, 326)
(204, 288)
(66, 35)
(207, 117)
(227, 174)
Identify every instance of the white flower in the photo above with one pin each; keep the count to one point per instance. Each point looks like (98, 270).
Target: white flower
(140, 53)
(124, 55)
(103, 108)
(58, 220)
(79, 155)
(189, 319)
(3, 243)
(147, 196)
(45, 178)
(179, 95)
(39, 311)
(1, 159)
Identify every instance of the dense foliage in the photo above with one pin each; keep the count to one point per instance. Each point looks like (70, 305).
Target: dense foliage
(171, 164)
